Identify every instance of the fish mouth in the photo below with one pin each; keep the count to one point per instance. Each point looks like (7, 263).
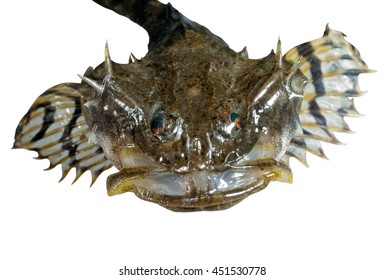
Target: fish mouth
(201, 189)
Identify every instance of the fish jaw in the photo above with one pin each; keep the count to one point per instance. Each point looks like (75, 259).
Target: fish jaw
(201, 189)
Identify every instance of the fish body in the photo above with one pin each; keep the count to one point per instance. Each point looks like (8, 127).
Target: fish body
(195, 125)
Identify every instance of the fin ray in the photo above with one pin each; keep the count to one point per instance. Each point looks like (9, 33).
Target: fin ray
(332, 66)
(55, 128)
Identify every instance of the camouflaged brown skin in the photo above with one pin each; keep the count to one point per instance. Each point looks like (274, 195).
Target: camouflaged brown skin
(191, 76)
(163, 121)
(204, 83)
(199, 78)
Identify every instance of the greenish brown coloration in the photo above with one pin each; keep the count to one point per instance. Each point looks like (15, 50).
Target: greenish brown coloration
(195, 125)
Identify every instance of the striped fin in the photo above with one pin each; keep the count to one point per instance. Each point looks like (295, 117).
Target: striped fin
(55, 128)
(332, 66)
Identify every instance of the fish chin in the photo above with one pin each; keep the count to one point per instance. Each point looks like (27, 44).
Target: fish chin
(198, 190)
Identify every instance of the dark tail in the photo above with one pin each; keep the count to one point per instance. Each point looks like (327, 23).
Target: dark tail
(156, 18)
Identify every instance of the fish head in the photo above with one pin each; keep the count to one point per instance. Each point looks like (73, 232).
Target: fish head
(195, 135)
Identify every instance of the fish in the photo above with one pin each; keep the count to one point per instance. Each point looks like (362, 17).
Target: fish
(195, 125)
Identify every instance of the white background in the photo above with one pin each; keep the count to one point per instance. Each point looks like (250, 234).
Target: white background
(327, 225)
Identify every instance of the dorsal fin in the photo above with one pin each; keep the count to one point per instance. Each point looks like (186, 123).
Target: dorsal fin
(158, 19)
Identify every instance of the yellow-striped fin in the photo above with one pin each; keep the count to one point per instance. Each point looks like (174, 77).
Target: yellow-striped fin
(332, 66)
(55, 127)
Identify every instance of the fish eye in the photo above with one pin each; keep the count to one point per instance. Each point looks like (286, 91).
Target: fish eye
(166, 127)
(236, 119)
(229, 129)
(158, 125)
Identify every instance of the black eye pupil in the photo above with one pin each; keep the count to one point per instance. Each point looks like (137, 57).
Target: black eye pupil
(157, 125)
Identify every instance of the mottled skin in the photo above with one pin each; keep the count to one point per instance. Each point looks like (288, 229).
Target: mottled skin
(193, 81)
(195, 125)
